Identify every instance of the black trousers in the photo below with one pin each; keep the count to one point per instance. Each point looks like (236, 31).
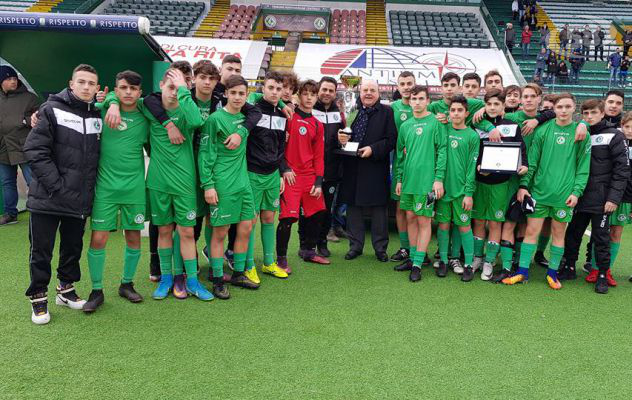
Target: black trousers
(600, 236)
(599, 49)
(356, 227)
(42, 233)
(329, 193)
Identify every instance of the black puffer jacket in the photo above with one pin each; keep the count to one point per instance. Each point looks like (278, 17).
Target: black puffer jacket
(63, 151)
(627, 196)
(16, 108)
(266, 142)
(609, 169)
(333, 120)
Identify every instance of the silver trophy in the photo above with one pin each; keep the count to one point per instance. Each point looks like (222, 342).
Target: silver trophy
(349, 96)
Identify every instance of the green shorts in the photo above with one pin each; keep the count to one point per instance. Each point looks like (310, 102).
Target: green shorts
(168, 208)
(560, 214)
(452, 211)
(202, 205)
(491, 201)
(417, 204)
(621, 216)
(266, 191)
(394, 195)
(105, 216)
(233, 208)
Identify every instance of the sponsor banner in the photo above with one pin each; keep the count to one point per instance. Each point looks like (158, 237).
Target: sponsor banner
(295, 22)
(195, 49)
(384, 64)
(74, 22)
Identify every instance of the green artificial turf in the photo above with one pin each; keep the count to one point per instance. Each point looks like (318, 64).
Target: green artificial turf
(352, 330)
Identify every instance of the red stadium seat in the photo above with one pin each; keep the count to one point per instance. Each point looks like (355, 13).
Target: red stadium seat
(345, 13)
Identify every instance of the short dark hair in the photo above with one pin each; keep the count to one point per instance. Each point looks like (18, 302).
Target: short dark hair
(460, 99)
(471, 76)
(182, 66)
(449, 76)
(493, 72)
(615, 92)
(131, 77)
(591, 104)
(85, 68)
(418, 89)
(513, 88)
(206, 67)
(547, 97)
(406, 74)
(563, 96)
(234, 81)
(328, 79)
(309, 85)
(533, 86)
(495, 93)
(275, 76)
(230, 59)
(290, 79)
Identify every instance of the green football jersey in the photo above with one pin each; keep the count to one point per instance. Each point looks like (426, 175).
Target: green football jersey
(220, 168)
(402, 113)
(473, 105)
(519, 117)
(558, 166)
(121, 174)
(462, 152)
(172, 166)
(421, 149)
(205, 108)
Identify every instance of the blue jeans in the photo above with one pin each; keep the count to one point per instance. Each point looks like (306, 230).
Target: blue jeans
(574, 78)
(623, 76)
(9, 175)
(613, 74)
(525, 49)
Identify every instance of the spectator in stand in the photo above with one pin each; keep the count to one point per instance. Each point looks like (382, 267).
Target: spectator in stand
(532, 20)
(545, 35)
(598, 37)
(526, 40)
(563, 36)
(540, 63)
(587, 37)
(521, 6)
(623, 71)
(576, 39)
(614, 62)
(514, 9)
(562, 72)
(627, 42)
(551, 69)
(510, 36)
(577, 62)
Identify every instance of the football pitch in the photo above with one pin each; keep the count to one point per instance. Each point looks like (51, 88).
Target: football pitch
(351, 330)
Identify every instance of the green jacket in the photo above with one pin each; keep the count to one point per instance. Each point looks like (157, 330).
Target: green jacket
(16, 108)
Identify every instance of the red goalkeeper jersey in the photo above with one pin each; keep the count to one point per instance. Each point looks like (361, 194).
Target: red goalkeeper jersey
(305, 147)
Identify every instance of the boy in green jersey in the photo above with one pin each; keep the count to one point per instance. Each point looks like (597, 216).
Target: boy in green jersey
(455, 207)
(471, 84)
(421, 150)
(558, 172)
(402, 112)
(120, 188)
(171, 180)
(224, 178)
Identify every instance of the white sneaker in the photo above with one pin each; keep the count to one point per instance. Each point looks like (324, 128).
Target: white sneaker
(456, 266)
(67, 297)
(39, 314)
(488, 271)
(476, 265)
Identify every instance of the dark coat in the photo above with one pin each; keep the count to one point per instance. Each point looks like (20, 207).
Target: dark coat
(333, 120)
(365, 181)
(16, 108)
(63, 152)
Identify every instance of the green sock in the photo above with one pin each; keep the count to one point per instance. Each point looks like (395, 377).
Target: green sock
(412, 252)
(614, 250)
(467, 239)
(526, 253)
(240, 262)
(131, 262)
(443, 237)
(492, 251)
(267, 240)
(404, 243)
(418, 260)
(518, 247)
(455, 252)
(250, 253)
(217, 265)
(208, 234)
(178, 262)
(190, 266)
(506, 255)
(96, 263)
(479, 244)
(556, 257)
(593, 259)
(165, 255)
(543, 242)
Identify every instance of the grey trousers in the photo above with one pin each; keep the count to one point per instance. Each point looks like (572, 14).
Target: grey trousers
(356, 227)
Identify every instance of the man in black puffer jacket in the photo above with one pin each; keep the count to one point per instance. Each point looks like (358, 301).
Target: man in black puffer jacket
(63, 151)
(609, 173)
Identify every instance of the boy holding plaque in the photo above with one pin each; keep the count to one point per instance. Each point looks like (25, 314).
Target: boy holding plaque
(421, 150)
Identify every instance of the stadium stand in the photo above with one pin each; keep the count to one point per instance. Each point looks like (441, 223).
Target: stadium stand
(376, 23)
(437, 29)
(168, 17)
(214, 19)
(16, 5)
(348, 27)
(238, 23)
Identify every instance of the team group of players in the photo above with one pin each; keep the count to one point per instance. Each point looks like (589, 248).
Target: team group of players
(222, 159)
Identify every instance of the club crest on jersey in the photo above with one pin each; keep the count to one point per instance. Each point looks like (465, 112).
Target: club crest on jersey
(97, 125)
(621, 217)
(213, 211)
(454, 144)
(122, 126)
(561, 140)
(499, 214)
(139, 219)
(302, 130)
(332, 190)
(403, 117)
(417, 206)
(505, 131)
(336, 117)
(419, 131)
(275, 203)
(561, 214)
(464, 217)
(191, 215)
(599, 139)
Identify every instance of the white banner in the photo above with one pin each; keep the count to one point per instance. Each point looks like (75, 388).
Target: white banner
(384, 64)
(196, 49)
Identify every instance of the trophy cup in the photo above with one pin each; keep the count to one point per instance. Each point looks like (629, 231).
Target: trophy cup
(349, 95)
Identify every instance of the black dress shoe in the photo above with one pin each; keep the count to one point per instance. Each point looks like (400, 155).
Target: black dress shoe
(352, 254)
(601, 286)
(415, 274)
(405, 266)
(323, 250)
(442, 271)
(382, 256)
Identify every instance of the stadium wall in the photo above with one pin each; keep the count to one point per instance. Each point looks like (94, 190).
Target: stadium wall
(306, 3)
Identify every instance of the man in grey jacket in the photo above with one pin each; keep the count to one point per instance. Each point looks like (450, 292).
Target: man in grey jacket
(510, 36)
(563, 36)
(587, 37)
(598, 37)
